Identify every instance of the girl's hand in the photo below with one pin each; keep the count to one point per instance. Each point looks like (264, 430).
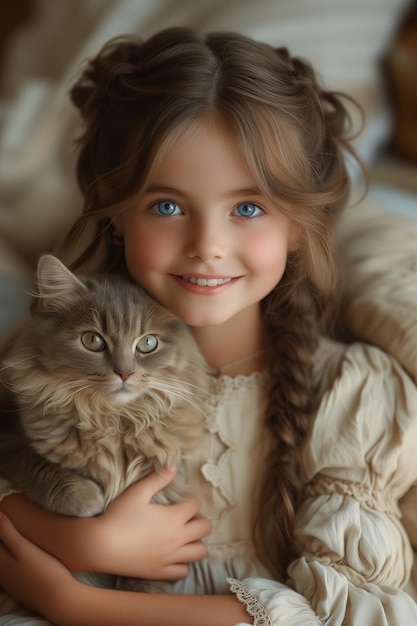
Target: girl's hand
(29, 574)
(134, 537)
(146, 540)
(40, 582)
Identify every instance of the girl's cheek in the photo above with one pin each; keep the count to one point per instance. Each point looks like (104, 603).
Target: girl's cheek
(145, 250)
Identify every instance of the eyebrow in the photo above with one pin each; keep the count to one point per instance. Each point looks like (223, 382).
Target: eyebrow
(163, 189)
(249, 191)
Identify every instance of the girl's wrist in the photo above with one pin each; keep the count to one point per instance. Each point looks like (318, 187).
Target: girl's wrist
(96, 545)
(68, 604)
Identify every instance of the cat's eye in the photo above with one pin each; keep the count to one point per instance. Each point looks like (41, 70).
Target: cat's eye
(146, 344)
(93, 341)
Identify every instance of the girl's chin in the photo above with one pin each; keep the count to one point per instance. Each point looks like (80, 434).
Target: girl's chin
(203, 322)
(203, 319)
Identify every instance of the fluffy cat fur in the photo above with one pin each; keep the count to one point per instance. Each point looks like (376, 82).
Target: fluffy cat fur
(108, 386)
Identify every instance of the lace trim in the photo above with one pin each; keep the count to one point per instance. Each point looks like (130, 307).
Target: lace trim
(213, 472)
(376, 499)
(252, 605)
(215, 469)
(220, 384)
(211, 416)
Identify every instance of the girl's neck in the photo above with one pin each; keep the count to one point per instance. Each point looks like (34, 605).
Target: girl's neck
(236, 347)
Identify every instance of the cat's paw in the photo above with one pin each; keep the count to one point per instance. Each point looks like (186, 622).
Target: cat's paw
(79, 498)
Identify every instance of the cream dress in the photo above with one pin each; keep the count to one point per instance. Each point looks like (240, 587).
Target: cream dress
(360, 458)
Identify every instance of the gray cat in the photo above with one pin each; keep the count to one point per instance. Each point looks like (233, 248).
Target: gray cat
(109, 386)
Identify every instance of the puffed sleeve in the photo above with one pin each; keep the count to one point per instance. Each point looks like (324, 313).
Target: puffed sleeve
(360, 458)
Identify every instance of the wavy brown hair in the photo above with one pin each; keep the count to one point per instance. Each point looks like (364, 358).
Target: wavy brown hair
(135, 97)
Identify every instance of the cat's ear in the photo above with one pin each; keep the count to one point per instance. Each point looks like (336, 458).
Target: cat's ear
(56, 283)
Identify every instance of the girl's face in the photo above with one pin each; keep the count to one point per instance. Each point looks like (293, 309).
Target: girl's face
(202, 239)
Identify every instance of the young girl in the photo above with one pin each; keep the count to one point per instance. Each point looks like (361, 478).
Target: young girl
(213, 167)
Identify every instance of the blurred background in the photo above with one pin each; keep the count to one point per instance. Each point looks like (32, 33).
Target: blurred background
(367, 48)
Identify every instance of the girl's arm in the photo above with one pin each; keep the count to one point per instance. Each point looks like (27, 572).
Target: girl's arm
(134, 537)
(41, 582)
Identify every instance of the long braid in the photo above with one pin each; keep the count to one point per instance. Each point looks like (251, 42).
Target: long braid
(291, 316)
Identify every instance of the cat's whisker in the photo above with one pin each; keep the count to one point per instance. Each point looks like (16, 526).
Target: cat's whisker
(173, 391)
(9, 385)
(62, 395)
(7, 365)
(185, 384)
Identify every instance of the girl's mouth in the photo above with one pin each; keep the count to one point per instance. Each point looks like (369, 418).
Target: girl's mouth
(201, 286)
(206, 282)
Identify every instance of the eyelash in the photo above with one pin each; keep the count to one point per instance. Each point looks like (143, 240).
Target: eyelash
(257, 209)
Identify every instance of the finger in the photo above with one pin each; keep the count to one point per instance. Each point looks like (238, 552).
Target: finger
(199, 526)
(159, 480)
(178, 571)
(192, 552)
(196, 530)
(154, 482)
(187, 509)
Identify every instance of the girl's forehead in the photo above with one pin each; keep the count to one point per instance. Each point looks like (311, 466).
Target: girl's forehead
(205, 150)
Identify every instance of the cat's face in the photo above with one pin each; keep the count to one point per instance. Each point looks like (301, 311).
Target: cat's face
(104, 336)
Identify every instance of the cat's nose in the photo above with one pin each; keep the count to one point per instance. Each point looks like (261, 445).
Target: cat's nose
(124, 374)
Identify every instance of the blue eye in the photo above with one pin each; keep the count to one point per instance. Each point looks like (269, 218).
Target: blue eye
(167, 207)
(247, 209)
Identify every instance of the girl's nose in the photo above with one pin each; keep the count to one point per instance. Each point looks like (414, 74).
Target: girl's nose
(207, 240)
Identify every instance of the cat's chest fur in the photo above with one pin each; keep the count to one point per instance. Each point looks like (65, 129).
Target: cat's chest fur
(115, 446)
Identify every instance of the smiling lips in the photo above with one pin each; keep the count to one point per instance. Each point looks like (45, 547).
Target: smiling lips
(205, 286)
(206, 282)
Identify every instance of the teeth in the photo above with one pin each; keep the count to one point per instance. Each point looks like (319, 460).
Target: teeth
(206, 282)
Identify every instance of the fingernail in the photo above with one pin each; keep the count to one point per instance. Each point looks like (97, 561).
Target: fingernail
(172, 468)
